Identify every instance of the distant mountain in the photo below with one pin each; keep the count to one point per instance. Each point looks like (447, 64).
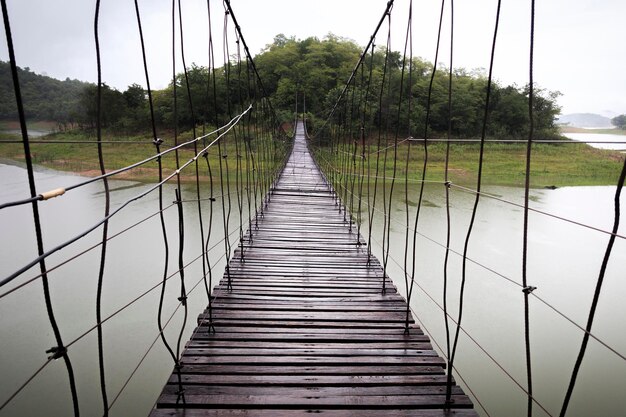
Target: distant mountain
(585, 120)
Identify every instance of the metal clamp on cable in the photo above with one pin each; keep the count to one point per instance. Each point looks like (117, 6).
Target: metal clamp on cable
(57, 352)
(448, 184)
(183, 300)
(51, 194)
(528, 289)
(157, 141)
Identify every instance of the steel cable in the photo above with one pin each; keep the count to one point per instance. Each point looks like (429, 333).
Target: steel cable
(105, 225)
(59, 351)
(512, 281)
(527, 289)
(478, 188)
(113, 213)
(447, 191)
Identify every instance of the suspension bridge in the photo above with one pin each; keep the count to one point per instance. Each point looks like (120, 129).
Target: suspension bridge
(310, 315)
(299, 323)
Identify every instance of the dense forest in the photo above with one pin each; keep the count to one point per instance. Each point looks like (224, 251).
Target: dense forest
(45, 98)
(312, 68)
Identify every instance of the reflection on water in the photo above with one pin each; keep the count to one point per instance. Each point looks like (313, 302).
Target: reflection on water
(564, 261)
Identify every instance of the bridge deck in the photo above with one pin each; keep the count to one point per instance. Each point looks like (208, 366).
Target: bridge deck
(305, 328)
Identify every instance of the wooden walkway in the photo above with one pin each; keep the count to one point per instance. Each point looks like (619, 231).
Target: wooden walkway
(305, 329)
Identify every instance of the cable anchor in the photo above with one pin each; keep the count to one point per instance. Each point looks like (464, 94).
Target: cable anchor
(57, 352)
(529, 289)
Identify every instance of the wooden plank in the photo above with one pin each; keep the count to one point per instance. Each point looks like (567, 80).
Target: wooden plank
(354, 360)
(311, 391)
(312, 380)
(294, 401)
(181, 412)
(214, 369)
(304, 328)
(308, 352)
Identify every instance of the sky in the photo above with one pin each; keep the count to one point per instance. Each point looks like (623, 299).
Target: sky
(578, 43)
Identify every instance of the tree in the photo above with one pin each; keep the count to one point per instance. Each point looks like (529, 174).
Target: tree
(619, 121)
(113, 106)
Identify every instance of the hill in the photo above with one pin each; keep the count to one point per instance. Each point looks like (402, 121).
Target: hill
(45, 98)
(585, 120)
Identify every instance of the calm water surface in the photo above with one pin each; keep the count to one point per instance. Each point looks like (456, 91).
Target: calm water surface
(616, 142)
(564, 261)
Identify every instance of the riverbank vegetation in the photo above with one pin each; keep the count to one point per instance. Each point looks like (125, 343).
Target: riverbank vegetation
(566, 164)
(315, 71)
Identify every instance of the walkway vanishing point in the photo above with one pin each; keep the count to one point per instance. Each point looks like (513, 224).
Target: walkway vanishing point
(305, 328)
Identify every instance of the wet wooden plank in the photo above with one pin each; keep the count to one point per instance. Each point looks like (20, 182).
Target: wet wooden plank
(374, 402)
(281, 370)
(180, 412)
(305, 326)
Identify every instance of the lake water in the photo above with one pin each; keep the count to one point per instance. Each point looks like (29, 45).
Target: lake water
(611, 141)
(564, 261)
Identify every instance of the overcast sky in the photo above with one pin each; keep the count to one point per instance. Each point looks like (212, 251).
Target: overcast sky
(579, 43)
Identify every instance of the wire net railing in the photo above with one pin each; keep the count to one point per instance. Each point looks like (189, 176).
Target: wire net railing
(483, 255)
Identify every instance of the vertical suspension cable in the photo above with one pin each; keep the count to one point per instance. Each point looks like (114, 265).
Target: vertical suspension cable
(223, 159)
(408, 42)
(248, 149)
(157, 143)
(238, 155)
(477, 199)
(395, 141)
(181, 233)
(425, 165)
(361, 175)
(58, 351)
(105, 225)
(448, 217)
(379, 137)
(355, 143)
(365, 154)
(597, 291)
(386, 210)
(195, 150)
(211, 84)
(526, 289)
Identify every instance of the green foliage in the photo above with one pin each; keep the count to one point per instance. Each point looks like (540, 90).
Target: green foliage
(619, 121)
(313, 70)
(44, 98)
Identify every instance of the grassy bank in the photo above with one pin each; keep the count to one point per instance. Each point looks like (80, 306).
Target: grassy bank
(119, 152)
(566, 164)
(570, 129)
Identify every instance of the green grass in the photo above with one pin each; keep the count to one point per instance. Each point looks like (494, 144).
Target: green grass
(568, 129)
(35, 125)
(83, 158)
(567, 164)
